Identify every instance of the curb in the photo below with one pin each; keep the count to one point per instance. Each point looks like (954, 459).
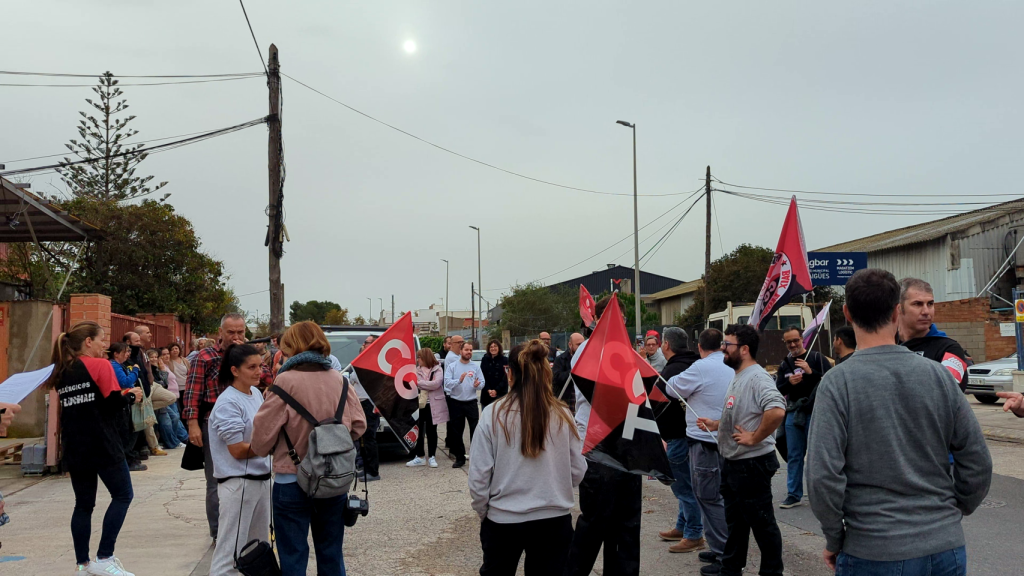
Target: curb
(1003, 435)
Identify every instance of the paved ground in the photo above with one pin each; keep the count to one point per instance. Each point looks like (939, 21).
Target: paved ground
(421, 524)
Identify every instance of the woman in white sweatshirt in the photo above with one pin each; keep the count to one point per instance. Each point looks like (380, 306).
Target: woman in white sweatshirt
(525, 461)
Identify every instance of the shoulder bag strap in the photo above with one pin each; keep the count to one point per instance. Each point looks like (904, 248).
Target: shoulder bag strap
(344, 399)
(301, 410)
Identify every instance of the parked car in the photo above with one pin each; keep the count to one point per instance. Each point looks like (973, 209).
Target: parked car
(345, 342)
(987, 378)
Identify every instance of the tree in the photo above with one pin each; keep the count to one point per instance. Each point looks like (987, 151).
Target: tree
(260, 325)
(737, 277)
(314, 310)
(533, 308)
(337, 317)
(148, 260)
(359, 321)
(627, 302)
(108, 175)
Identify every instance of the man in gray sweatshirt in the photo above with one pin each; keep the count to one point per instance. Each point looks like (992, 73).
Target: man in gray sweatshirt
(878, 466)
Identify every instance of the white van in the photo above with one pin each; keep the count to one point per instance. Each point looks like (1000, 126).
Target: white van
(799, 315)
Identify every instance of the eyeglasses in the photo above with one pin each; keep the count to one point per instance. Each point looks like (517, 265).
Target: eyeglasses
(793, 341)
(725, 345)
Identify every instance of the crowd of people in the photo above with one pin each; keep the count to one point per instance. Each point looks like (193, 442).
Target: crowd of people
(892, 394)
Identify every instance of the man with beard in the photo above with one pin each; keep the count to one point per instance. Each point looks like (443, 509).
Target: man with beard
(201, 392)
(844, 343)
(916, 331)
(753, 410)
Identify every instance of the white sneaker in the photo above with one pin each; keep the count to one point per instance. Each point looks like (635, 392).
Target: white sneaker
(79, 570)
(417, 461)
(108, 567)
(433, 462)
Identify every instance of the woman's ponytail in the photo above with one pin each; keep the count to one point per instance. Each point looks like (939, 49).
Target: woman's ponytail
(68, 346)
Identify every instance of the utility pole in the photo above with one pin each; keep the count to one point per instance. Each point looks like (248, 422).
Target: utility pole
(275, 230)
(707, 244)
(392, 308)
(479, 276)
(472, 312)
(446, 324)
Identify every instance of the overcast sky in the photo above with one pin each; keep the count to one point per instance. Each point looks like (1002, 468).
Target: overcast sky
(914, 98)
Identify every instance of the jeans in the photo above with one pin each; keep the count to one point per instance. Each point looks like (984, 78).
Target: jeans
(295, 514)
(688, 521)
(610, 506)
(428, 432)
(172, 431)
(747, 490)
(546, 544)
(83, 482)
(949, 563)
(796, 440)
(369, 456)
(459, 413)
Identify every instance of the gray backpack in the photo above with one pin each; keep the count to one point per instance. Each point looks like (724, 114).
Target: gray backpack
(330, 463)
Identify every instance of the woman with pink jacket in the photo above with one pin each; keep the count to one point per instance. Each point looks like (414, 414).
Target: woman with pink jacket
(433, 406)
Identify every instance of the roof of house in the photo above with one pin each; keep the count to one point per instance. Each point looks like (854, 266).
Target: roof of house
(684, 288)
(49, 223)
(600, 280)
(928, 230)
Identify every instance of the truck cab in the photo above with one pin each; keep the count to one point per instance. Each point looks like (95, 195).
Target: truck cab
(798, 315)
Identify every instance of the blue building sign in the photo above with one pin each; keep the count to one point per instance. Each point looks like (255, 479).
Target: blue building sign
(835, 268)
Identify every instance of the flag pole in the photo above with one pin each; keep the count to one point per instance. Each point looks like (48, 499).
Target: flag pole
(818, 331)
(566, 385)
(688, 407)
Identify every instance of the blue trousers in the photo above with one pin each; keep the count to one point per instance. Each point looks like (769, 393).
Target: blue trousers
(949, 563)
(295, 514)
(172, 431)
(84, 483)
(688, 521)
(796, 438)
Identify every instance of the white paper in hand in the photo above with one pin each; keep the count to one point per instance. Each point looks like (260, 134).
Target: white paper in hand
(17, 387)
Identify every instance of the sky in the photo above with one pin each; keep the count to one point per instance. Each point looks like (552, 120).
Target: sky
(869, 97)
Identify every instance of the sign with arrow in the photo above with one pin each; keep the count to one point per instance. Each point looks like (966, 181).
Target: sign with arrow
(835, 268)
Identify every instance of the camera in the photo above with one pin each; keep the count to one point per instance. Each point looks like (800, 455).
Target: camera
(354, 508)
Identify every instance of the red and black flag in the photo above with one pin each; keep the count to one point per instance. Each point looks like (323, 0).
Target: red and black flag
(788, 276)
(621, 432)
(588, 308)
(387, 371)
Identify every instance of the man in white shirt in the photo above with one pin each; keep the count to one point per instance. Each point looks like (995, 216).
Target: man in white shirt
(704, 385)
(454, 351)
(462, 380)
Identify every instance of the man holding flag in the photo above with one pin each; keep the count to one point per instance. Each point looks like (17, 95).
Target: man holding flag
(798, 377)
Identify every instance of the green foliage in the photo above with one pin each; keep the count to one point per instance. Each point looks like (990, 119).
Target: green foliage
(737, 277)
(149, 260)
(359, 321)
(103, 136)
(435, 343)
(627, 302)
(532, 308)
(313, 310)
(337, 317)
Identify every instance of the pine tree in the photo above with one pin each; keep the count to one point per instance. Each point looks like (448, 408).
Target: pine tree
(102, 138)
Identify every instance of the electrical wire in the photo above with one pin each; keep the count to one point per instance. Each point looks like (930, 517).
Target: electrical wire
(471, 159)
(152, 150)
(64, 75)
(849, 193)
(850, 203)
(132, 84)
(718, 227)
(258, 51)
(882, 212)
(663, 240)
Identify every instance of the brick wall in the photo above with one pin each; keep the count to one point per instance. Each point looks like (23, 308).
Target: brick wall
(973, 324)
(95, 307)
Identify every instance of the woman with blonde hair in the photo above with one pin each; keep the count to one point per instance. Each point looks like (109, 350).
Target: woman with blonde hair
(91, 407)
(525, 461)
(433, 407)
(308, 378)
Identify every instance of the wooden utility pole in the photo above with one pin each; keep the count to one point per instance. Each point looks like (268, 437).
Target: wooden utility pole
(275, 230)
(707, 244)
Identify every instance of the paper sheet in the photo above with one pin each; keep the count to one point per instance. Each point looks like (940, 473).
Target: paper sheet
(17, 387)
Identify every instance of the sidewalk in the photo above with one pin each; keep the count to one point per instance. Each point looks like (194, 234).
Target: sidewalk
(996, 424)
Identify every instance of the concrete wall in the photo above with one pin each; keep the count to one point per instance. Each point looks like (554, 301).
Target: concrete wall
(973, 324)
(28, 319)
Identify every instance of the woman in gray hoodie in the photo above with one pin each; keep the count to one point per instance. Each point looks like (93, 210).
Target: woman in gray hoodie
(525, 461)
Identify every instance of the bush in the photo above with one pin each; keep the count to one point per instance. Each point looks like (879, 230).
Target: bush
(435, 343)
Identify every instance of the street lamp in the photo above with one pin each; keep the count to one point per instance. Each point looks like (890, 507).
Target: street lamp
(445, 296)
(370, 317)
(381, 310)
(636, 235)
(479, 283)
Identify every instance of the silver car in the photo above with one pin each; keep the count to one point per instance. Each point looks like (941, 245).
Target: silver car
(987, 378)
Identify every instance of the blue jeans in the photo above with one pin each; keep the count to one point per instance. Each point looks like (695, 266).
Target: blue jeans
(949, 563)
(294, 515)
(688, 522)
(84, 483)
(172, 431)
(796, 439)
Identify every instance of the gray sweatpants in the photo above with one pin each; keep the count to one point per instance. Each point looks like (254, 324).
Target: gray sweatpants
(706, 476)
(240, 521)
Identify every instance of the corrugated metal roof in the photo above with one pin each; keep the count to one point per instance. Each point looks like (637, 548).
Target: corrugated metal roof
(684, 288)
(928, 230)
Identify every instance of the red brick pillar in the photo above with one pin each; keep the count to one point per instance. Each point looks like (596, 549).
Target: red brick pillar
(94, 307)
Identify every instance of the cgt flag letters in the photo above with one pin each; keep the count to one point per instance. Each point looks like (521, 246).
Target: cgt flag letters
(621, 432)
(385, 370)
(788, 276)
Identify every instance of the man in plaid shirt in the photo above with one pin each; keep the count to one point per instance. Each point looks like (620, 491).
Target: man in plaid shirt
(201, 392)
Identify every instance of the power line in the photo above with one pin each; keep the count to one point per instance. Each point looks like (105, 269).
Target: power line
(65, 75)
(463, 156)
(258, 51)
(883, 212)
(849, 203)
(664, 239)
(154, 149)
(131, 84)
(848, 193)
